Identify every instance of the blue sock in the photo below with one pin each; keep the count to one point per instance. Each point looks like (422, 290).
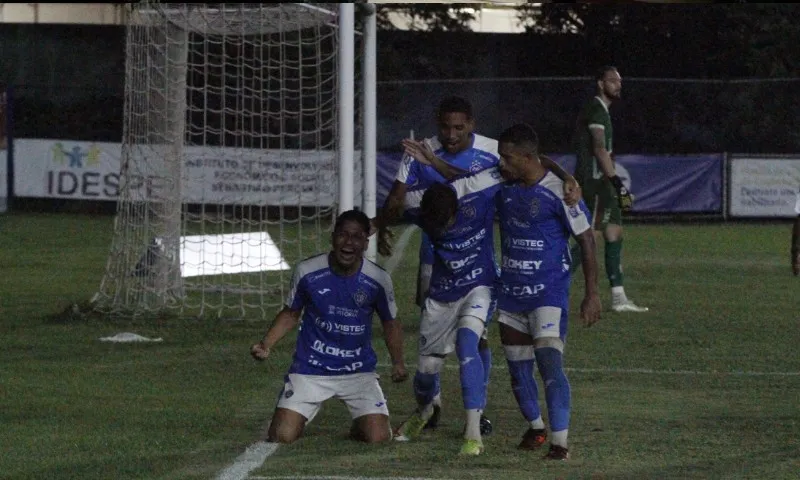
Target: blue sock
(426, 386)
(473, 391)
(524, 387)
(556, 389)
(486, 359)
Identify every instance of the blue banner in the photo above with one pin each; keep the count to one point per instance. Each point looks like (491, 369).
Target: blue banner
(660, 183)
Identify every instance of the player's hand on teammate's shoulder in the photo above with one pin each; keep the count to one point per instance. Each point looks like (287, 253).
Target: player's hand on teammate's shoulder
(259, 351)
(590, 309)
(399, 373)
(572, 192)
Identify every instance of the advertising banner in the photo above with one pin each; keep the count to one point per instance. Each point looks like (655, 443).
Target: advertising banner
(764, 187)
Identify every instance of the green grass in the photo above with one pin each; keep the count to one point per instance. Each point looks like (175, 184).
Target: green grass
(703, 386)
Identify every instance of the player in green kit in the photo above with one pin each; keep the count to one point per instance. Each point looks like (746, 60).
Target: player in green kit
(603, 191)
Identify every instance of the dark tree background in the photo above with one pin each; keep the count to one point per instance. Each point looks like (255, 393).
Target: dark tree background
(745, 55)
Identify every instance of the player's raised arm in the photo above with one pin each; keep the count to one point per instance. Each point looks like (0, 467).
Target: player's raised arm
(422, 152)
(284, 322)
(590, 306)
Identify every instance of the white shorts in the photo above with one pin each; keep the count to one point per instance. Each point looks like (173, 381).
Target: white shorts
(361, 392)
(542, 322)
(441, 320)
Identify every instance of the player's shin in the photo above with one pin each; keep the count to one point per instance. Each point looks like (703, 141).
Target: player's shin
(473, 391)
(521, 360)
(557, 392)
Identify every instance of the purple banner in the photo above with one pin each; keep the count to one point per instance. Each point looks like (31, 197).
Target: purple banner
(660, 183)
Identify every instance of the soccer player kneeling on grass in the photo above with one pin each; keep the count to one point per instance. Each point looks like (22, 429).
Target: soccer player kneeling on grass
(333, 298)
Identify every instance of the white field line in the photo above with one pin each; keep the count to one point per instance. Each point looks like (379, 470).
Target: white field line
(650, 371)
(256, 454)
(338, 477)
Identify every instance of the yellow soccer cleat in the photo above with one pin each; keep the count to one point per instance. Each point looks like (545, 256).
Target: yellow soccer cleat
(471, 447)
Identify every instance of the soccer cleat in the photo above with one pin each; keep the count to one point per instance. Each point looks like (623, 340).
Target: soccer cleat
(534, 438)
(471, 447)
(627, 306)
(433, 422)
(411, 428)
(486, 426)
(557, 453)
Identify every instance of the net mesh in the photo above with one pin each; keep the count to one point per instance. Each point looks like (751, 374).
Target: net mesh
(229, 168)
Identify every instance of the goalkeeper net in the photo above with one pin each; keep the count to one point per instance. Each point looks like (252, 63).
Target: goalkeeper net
(229, 164)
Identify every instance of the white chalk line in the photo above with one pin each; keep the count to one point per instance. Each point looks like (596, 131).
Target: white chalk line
(651, 371)
(338, 477)
(256, 454)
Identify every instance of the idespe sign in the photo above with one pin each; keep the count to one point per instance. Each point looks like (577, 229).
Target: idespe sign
(91, 171)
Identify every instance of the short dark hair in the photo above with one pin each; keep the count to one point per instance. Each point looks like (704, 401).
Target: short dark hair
(522, 135)
(454, 105)
(438, 205)
(353, 216)
(601, 72)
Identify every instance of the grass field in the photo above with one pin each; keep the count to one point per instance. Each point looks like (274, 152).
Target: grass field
(703, 386)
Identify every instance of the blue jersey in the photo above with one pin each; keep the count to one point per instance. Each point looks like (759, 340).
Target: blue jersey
(482, 154)
(535, 227)
(463, 258)
(335, 335)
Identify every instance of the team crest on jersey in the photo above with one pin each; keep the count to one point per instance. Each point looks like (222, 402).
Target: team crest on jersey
(468, 211)
(360, 297)
(534, 207)
(575, 212)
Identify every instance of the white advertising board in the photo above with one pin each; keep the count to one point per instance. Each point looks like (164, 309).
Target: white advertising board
(764, 187)
(91, 171)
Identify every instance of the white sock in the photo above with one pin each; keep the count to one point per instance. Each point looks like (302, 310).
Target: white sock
(538, 423)
(559, 438)
(426, 412)
(437, 400)
(618, 294)
(473, 430)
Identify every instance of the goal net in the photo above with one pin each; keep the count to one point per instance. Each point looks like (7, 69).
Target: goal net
(229, 164)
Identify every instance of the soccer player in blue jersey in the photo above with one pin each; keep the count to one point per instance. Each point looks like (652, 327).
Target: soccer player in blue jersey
(535, 226)
(533, 298)
(459, 302)
(333, 298)
(458, 146)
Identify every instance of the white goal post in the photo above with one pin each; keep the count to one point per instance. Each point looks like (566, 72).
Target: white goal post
(248, 127)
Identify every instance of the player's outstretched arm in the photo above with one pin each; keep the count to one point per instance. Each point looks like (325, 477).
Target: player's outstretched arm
(393, 336)
(796, 247)
(390, 214)
(284, 322)
(590, 306)
(572, 190)
(423, 153)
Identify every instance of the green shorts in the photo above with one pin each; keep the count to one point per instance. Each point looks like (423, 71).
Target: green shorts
(601, 200)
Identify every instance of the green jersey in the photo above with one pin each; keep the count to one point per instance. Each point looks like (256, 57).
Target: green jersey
(594, 115)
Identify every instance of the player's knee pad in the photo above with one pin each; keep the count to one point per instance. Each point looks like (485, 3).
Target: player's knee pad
(472, 323)
(518, 353)
(429, 364)
(549, 342)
